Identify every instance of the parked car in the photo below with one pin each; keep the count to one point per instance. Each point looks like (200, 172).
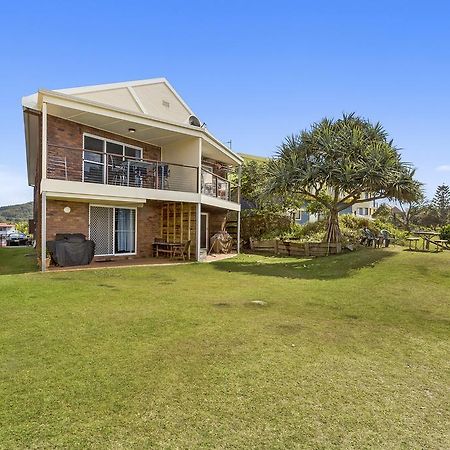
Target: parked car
(17, 239)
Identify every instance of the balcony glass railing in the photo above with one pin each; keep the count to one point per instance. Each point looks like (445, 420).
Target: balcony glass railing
(219, 187)
(72, 164)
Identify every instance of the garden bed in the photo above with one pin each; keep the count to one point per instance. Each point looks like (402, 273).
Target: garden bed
(292, 248)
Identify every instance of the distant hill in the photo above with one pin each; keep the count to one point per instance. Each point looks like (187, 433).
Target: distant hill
(16, 213)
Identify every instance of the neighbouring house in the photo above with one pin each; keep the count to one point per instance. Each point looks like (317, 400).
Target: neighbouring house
(7, 228)
(361, 209)
(125, 164)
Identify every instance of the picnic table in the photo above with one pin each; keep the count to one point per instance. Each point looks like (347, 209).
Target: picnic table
(168, 248)
(429, 237)
(165, 248)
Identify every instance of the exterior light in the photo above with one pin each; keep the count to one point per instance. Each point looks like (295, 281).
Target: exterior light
(132, 130)
(67, 209)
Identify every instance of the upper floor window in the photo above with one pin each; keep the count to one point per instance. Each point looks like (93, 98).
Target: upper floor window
(363, 211)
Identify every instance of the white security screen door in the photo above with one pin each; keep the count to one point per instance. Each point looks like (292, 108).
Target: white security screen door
(113, 230)
(101, 229)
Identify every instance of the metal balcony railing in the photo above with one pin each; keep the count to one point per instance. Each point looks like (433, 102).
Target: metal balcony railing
(75, 164)
(219, 187)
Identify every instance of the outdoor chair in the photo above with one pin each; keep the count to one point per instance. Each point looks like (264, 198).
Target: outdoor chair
(384, 239)
(367, 238)
(182, 250)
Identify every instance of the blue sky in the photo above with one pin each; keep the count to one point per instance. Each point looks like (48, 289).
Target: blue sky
(254, 71)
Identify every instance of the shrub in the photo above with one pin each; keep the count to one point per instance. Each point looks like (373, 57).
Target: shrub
(264, 224)
(445, 232)
(353, 222)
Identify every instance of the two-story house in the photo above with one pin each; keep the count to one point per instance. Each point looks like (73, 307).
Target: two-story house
(126, 163)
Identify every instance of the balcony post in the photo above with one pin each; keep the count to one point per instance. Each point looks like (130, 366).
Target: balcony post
(44, 142)
(43, 231)
(198, 219)
(43, 193)
(238, 200)
(238, 234)
(199, 171)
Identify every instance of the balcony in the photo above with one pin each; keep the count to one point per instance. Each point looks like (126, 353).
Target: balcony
(216, 186)
(88, 166)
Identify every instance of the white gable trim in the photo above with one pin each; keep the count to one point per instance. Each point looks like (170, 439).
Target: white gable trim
(109, 86)
(137, 99)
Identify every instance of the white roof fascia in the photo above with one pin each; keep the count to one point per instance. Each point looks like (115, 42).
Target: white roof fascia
(109, 86)
(31, 101)
(222, 147)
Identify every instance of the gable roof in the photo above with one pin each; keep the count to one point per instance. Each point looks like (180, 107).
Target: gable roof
(154, 97)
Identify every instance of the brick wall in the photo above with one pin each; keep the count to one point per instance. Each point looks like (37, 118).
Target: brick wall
(148, 227)
(218, 168)
(63, 133)
(77, 221)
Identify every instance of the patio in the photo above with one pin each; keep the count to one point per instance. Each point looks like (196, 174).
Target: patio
(139, 262)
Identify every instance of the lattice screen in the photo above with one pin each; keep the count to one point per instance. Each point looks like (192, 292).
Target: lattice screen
(101, 229)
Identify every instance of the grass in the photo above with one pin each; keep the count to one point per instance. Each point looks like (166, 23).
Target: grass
(17, 260)
(347, 352)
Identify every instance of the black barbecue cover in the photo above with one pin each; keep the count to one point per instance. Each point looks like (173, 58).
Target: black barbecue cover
(71, 249)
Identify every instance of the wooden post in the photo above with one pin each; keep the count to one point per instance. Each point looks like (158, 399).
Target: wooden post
(189, 227)
(174, 222)
(167, 222)
(182, 222)
(306, 248)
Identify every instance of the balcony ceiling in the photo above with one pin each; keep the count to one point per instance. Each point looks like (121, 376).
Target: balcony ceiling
(144, 133)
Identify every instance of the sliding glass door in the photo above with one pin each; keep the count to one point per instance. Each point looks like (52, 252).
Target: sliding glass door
(113, 230)
(125, 220)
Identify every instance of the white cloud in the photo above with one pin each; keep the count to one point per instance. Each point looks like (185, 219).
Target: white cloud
(14, 187)
(443, 168)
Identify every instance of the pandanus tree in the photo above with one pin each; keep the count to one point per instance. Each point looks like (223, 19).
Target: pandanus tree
(338, 163)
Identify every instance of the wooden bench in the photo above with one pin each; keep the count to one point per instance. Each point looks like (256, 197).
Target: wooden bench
(440, 243)
(411, 240)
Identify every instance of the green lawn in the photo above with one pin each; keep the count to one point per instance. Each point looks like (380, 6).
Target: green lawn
(17, 260)
(349, 351)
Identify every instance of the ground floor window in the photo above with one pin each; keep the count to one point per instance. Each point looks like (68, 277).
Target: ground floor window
(113, 230)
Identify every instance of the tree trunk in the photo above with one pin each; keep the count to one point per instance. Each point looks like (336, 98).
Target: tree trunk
(333, 235)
